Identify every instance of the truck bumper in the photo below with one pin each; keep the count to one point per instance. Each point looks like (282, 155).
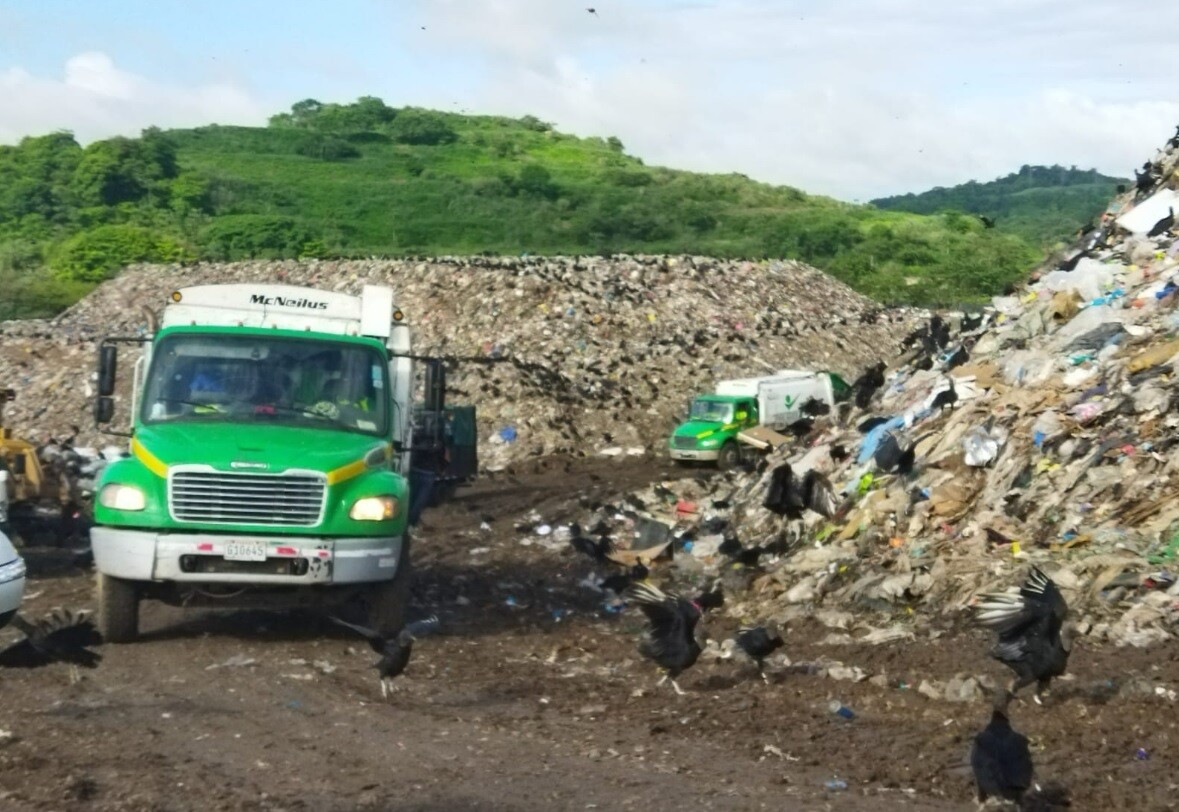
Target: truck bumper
(710, 455)
(144, 555)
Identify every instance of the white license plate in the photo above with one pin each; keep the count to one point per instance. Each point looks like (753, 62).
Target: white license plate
(687, 455)
(245, 551)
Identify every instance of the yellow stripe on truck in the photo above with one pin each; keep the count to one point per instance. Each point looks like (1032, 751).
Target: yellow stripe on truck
(345, 472)
(149, 460)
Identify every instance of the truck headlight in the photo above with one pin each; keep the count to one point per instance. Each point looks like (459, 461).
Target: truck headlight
(122, 497)
(708, 442)
(373, 509)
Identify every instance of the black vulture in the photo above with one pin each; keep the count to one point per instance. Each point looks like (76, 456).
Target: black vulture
(394, 651)
(1034, 640)
(1001, 758)
(759, 642)
(670, 639)
(788, 496)
(62, 637)
(1164, 225)
(867, 384)
(599, 550)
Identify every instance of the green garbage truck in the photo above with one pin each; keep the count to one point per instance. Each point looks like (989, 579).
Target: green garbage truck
(709, 434)
(272, 441)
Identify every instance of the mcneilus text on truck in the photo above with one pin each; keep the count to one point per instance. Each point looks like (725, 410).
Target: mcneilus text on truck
(270, 438)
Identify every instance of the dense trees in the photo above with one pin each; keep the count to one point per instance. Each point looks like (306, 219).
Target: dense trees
(1042, 204)
(360, 179)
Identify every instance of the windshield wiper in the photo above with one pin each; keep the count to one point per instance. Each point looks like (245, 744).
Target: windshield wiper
(271, 408)
(217, 407)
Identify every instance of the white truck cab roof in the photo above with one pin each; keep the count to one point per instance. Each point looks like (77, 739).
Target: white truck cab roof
(284, 307)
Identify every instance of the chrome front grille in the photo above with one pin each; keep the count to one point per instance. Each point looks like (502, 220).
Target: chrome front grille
(292, 498)
(684, 442)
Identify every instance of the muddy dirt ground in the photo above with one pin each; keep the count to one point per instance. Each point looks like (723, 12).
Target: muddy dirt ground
(533, 698)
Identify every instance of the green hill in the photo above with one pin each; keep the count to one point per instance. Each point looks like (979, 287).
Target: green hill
(1041, 204)
(366, 179)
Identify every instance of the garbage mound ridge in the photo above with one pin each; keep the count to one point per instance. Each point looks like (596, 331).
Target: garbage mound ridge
(570, 355)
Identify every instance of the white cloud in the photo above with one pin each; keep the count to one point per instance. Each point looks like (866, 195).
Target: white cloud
(856, 99)
(94, 98)
(852, 98)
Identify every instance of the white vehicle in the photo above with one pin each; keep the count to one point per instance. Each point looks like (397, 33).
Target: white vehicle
(780, 397)
(12, 580)
(709, 434)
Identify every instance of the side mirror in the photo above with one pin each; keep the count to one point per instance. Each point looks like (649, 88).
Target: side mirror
(18, 465)
(104, 408)
(107, 367)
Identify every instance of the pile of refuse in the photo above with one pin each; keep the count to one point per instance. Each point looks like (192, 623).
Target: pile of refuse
(1041, 431)
(62, 514)
(561, 355)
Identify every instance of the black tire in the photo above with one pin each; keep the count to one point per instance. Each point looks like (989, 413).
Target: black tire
(118, 609)
(729, 456)
(386, 602)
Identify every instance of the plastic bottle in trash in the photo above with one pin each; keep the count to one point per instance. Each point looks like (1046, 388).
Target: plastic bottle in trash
(840, 709)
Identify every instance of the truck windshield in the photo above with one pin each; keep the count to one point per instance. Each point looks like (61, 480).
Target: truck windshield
(712, 410)
(264, 379)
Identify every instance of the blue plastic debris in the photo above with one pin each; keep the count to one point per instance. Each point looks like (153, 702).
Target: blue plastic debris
(873, 438)
(507, 434)
(835, 784)
(840, 709)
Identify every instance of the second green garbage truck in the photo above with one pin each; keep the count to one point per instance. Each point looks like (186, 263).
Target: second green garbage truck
(714, 420)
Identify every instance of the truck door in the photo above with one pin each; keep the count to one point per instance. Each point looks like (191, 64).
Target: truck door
(747, 413)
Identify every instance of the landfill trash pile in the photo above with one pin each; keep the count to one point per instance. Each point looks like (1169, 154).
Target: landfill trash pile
(576, 355)
(1042, 431)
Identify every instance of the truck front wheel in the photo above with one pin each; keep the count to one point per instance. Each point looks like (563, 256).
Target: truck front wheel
(387, 601)
(728, 457)
(118, 609)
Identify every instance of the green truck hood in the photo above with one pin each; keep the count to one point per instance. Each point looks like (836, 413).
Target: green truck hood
(694, 428)
(278, 448)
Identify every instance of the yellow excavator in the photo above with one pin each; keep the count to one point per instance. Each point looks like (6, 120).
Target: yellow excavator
(22, 479)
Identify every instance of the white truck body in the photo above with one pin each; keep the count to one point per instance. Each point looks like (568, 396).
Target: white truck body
(780, 397)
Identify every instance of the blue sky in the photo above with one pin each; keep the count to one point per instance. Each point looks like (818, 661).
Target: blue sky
(853, 98)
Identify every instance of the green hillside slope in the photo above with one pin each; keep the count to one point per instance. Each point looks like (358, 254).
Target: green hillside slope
(1041, 204)
(366, 179)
